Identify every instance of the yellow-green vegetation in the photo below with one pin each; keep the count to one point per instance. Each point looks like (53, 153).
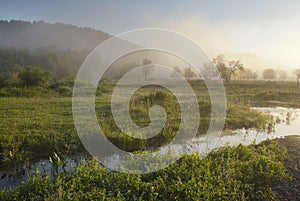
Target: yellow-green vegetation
(228, 173)
(39, 122)
(35, 128)
(261, 93)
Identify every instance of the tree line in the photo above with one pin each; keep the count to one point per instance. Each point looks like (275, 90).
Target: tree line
(60, 63)
(44, 65)
(234, 69)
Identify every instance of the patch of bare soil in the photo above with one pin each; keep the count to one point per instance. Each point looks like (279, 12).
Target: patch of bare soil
(290, 189)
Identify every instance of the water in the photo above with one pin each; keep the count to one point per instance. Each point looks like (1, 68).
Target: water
(288, 124)
(44, 167)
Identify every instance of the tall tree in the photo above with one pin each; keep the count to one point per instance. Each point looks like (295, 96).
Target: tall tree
(233, 66)
(227, 68)
(220, 63)
(297, 74)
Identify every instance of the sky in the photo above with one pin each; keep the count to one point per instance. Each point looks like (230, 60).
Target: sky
(268, 29)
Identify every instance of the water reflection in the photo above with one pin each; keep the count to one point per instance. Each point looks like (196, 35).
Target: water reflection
(287, 123)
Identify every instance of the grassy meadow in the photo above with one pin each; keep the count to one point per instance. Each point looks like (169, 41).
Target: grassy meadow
(35, 126)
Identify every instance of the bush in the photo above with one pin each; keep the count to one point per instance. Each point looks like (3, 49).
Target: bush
(65, 91)
(33, 76)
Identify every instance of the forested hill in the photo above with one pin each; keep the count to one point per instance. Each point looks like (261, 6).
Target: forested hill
(60, 49)
(57, 48)
(21, 34)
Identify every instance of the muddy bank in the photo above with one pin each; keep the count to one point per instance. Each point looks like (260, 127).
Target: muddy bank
(290, 189)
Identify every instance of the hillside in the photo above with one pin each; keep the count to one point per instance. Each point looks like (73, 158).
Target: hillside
(21, 34)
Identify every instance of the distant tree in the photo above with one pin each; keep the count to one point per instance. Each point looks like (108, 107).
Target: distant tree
(297, 74)
(227, 69)
(209, 71)
(59, 62)
(246, 74)
(177, 70)
(234, 66)
(220, 63)
(269, 74)
(33, 76)
(147, 68)
(189, 73)
(281, 74)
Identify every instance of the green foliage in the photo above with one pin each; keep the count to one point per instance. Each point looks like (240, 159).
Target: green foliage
(32, 129)
(27, 126)
(3, 80)
(63, 87)
(60, 63)
(228, 173)
(27, 92)
(33, 77)
(65, 91)
(244, 115)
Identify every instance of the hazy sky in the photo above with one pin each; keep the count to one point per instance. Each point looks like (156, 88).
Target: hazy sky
(267, 28)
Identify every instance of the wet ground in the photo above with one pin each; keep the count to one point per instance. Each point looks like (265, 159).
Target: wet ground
(290, 189)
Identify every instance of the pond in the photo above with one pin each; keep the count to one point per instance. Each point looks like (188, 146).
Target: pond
(288, 123)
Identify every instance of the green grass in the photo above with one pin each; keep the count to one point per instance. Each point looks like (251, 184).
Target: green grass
(35, 128)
